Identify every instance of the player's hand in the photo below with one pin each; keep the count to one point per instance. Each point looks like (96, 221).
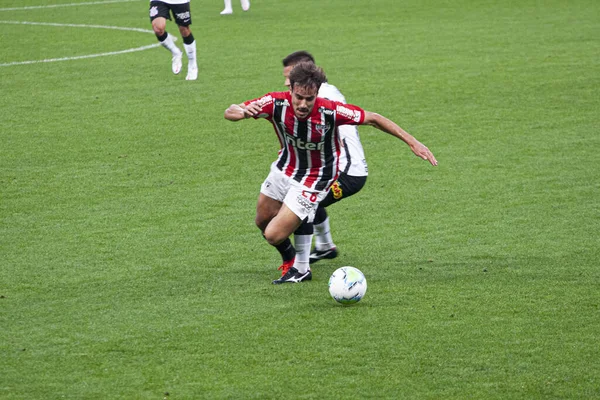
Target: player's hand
(423, 152)
(251, 110)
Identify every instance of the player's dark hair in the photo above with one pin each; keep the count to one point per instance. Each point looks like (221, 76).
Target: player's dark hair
(298, 56)
(307, 74)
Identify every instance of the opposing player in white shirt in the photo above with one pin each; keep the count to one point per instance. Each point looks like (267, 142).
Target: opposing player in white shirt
(229, 9)
(160, 12)
(352, 177)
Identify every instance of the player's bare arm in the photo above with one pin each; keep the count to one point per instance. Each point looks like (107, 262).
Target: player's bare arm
(236, 112)
(384, 124)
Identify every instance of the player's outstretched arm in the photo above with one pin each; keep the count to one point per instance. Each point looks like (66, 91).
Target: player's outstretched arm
(236, 112)
(384, 124)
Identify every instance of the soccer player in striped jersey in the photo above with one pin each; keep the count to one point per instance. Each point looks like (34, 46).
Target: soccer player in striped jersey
(352, 176)
(160, 11)
(308, 161)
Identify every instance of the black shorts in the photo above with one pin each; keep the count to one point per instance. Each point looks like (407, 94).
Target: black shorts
(181, 12)
(345, 186)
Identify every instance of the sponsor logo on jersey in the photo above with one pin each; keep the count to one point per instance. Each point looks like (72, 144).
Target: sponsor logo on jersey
(348, 113)
(263, 101)
(153, 11)
(304, 203)
(326, 111)
(302, 145)
(282, 103)
(336, 189)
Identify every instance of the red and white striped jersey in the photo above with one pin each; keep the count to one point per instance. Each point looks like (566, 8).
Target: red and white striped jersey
(310, 147)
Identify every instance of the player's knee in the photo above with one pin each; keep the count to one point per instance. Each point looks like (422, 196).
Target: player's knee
(261, 223)
(158, 27)
(272, 239)
(274, 236)
(185, 31)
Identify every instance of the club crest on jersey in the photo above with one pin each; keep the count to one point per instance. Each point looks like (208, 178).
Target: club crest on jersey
(322, 128)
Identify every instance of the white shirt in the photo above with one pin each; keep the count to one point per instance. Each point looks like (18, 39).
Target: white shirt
(352, 159)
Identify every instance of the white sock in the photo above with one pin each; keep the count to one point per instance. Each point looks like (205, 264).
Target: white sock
(302, 245)
(169, 44)
(323, 239)
(190, 50)
(228, 4)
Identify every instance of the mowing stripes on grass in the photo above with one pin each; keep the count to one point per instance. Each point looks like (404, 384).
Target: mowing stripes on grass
(130, 265)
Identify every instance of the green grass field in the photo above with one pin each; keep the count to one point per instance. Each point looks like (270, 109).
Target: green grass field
(130, 266)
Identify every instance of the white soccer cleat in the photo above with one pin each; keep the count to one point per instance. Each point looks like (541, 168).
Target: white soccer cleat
(192, 74)
(176, 63)
(227, 11)
(245, 4)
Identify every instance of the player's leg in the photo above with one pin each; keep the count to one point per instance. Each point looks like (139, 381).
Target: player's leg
(272, 194)
(159, 13)
(325, 248)
(183, 19)
(344, 187)
(299, 205)
(302, 241)
(281, 226)
(228, 9)
(266, 209)
(245, 4)
(189, 43)
(278, 231)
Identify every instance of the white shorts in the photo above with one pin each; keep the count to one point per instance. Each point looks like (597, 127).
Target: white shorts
(301, 200)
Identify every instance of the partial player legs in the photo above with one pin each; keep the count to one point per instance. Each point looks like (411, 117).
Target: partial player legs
(229, 9)
(168, 42)
(189, 43)
(302, 242)
(345, 186)
(282, 226)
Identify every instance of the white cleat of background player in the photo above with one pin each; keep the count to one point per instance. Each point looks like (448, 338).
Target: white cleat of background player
(192, 73)
(229, 9)
(176, 63)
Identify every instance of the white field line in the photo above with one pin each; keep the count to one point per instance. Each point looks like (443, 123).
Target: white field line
(64, 5)
(111, 53)
(118, 28)
(84, 56)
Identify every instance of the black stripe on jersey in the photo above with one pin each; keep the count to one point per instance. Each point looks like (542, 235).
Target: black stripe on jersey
(348, 157)
(279, 120)
(329, 153)
(302, 132)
